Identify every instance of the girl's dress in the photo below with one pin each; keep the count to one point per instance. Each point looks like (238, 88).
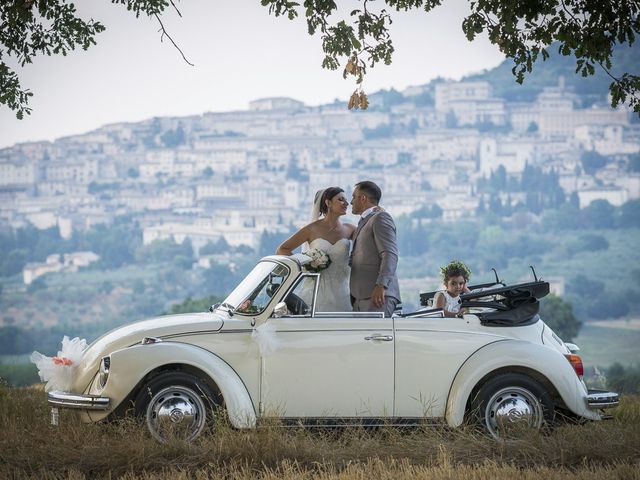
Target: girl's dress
(451, 304)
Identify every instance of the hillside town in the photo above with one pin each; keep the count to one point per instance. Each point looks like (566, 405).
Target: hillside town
(235, 175)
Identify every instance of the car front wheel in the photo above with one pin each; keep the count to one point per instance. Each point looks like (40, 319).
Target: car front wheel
(511, 405)
(175, 405)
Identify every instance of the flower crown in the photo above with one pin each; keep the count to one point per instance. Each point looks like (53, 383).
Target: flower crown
(454, 268)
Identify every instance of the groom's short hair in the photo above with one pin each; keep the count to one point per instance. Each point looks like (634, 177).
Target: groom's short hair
(370, 190)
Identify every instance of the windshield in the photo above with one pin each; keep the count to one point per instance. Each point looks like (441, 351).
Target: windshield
(256, 290)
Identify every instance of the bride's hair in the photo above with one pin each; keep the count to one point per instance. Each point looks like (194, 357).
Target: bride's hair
(319, 207)
(328, 194)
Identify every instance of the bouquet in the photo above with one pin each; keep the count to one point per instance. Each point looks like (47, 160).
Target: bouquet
(58, 371)
(320, 260)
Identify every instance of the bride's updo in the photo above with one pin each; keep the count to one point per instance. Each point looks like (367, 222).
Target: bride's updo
(328, 194)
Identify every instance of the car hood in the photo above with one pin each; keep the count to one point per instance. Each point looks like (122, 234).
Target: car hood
(133, 333)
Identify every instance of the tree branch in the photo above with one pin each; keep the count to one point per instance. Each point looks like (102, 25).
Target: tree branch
(623, 86)
(165, 33)
(176, 8)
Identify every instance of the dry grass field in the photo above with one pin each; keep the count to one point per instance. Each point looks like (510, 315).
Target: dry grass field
(31, 448)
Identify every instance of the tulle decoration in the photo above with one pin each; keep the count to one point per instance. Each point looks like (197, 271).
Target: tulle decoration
(315, 214)
(265, 337)
(58, 371)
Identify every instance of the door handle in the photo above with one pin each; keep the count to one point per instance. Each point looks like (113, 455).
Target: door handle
(378, 337)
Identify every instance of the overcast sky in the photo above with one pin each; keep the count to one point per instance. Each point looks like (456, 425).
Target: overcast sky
(240, 53)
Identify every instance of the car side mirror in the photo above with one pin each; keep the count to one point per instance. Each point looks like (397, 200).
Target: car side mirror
(280, 310)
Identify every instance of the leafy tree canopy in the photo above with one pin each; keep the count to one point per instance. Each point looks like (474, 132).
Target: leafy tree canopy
(524, 31)
(29, 28)
(624, 380)
(195, 304)
(558, 314)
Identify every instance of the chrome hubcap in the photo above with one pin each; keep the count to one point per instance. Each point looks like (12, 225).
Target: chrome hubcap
(512, 411)
(176, 412)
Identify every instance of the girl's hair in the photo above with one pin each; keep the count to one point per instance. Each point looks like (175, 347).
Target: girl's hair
(328, 194)
(455, 268)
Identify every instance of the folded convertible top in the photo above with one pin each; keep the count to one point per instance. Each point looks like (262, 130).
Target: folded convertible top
(504, 305)
(513, 306)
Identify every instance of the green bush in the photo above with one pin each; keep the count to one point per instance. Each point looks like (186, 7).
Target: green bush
(623, 380)
(558, 314)
(195, 304)
(589, 242)
(613, 305)
(19, 375)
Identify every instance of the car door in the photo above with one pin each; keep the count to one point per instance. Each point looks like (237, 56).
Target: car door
(328, 364)
(429, 353)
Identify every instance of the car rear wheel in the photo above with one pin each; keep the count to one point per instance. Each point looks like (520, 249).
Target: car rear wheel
(512, 405)
(176, 405)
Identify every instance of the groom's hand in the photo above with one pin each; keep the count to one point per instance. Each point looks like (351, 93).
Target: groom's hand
(377, 296)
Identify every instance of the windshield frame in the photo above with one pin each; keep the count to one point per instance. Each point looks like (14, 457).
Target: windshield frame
(254, 283)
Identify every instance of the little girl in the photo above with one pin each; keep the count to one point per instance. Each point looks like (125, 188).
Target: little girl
(455, 276)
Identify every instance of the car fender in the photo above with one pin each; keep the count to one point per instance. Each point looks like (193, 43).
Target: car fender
(520, 354)
(146, 358)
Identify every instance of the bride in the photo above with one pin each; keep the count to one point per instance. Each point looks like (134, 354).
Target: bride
(327, 233)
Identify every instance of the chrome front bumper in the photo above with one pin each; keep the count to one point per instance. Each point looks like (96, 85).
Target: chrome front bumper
(71, 400)
(602, 399)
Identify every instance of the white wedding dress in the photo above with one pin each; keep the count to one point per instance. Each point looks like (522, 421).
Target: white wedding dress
(333, 289)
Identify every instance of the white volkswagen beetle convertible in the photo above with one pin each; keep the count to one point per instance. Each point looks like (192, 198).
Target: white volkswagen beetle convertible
(265, 352)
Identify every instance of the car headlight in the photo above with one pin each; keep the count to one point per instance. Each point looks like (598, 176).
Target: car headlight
(103, 374)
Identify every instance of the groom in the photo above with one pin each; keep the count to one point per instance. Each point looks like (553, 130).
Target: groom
(374, 257)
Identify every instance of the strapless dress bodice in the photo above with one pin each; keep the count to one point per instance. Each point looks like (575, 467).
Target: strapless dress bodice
(333, 290)
(338, 252)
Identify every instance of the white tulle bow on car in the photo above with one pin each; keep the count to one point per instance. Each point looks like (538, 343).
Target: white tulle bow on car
(58, 371)
(265, 336)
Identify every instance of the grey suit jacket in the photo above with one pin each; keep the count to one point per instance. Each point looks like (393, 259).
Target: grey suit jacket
(374, 257)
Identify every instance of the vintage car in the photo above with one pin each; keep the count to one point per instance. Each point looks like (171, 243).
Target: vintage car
(265, 352)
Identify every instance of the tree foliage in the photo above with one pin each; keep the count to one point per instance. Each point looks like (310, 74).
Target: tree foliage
(173, 138)
(523, 31)
(588, 242)
(29, 28)
(624, 380)
(195, 304)
(558, 314)
(587, 30)
(592, 161)
(116, 245)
